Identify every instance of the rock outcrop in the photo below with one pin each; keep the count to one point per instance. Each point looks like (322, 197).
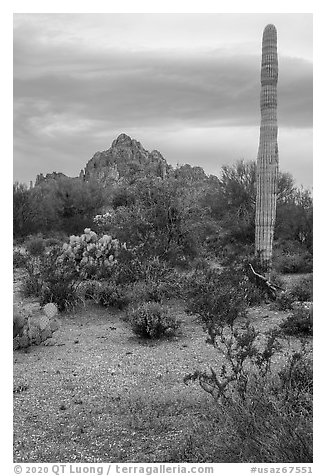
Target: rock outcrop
(40, 178)
(126, 159)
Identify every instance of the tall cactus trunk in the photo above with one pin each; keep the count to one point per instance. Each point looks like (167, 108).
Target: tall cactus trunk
(267, 160)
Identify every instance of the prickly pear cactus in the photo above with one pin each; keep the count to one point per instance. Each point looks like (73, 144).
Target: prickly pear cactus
(34, 327)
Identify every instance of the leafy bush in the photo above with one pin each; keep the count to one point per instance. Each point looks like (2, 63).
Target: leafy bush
(218, 297)
(35, 246)
(162, 219)
(151, 320)
(51, 280)
(299, 322)
(303, 289)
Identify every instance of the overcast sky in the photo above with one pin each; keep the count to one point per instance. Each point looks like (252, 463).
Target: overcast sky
(185, 84)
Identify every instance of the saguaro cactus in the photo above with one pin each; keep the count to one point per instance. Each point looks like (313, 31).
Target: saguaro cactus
(267, 160)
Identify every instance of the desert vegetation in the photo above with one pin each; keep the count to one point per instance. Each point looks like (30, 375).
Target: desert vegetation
(167, 350)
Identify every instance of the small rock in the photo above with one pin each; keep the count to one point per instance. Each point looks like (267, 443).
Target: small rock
(62, 407)
(76, 341)
(78, 401)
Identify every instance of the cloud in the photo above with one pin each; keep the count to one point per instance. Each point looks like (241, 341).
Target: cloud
(71, 99)
(211, 89)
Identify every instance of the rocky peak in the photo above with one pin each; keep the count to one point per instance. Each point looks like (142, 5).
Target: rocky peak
(125, 160)
(123, 140)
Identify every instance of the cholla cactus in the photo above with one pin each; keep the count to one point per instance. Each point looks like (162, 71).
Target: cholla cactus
(267, 160)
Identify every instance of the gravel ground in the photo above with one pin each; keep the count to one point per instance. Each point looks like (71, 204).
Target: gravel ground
(96, 393)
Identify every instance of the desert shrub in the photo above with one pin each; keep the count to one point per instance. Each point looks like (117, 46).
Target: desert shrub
(264, 427)
(58, 281)
(50, 280)
(112, 295)
(232, 252)
(32, 280)
(303, 289)
(144, 291)
(31, 286)
(261, 415)
(88, 289)
(61, 292)
(152, 320)
(211, 293)
(156, 290)
(153, 279)
(277, 280)
(35, 246)
(284, 300)
(293, 262)
(299, 322)
(200, 264)
(297, 381)
(255, 418)
(253, 294)
(50, 242)
(19, 259)
(220, 297)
